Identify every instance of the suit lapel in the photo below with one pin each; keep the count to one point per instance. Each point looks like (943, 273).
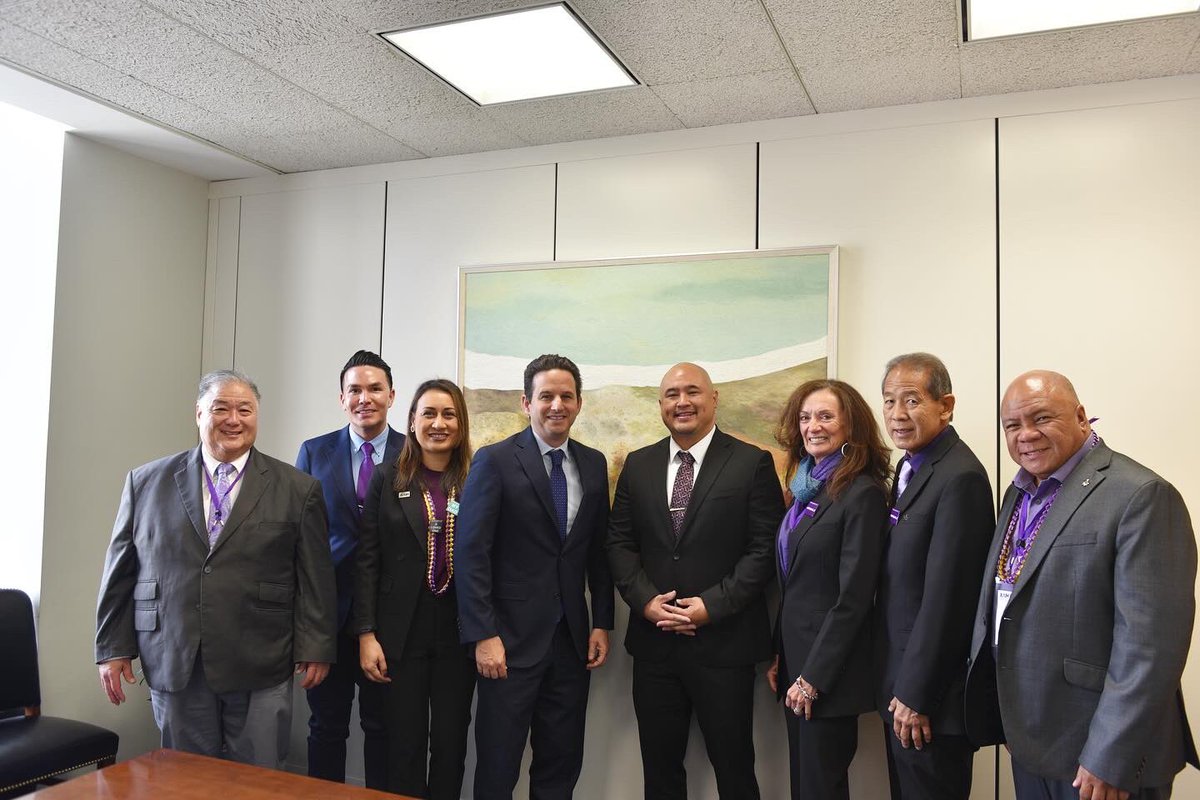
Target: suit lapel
(188, 479)
(531, 462)
(805, 525)
(254, 483)
(1075, 489)
(338, 454)
(415, 514)
(591, 480)
(714, 461)
(928, 467)
(657, 479)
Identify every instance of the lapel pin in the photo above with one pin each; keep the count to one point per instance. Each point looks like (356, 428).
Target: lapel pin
(1087, 481)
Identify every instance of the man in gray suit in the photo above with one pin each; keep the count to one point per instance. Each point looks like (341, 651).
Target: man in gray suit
(219, 578)
(1085, 617)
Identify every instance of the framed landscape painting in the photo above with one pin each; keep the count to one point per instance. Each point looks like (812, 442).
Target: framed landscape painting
(761, 322)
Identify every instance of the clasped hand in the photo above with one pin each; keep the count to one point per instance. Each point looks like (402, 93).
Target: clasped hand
(676, 615)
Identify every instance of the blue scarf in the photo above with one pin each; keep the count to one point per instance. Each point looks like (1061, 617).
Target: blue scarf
(811, 476)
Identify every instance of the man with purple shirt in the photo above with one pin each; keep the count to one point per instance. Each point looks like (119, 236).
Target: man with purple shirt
(941, 526)
(1085, 616)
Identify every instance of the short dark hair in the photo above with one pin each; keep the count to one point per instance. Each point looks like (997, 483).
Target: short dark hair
(547, 362)
(937, 377)
(365, 358)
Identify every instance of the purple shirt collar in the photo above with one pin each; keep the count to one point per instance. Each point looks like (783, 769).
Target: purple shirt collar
(918, 458)
(1025, 481)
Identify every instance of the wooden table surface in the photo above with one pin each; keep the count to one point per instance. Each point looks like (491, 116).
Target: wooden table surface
(170, 774)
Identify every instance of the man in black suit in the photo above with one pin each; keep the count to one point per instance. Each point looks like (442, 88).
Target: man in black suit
(690, 542)
(530, 535)
(941, 526)
(340, 461)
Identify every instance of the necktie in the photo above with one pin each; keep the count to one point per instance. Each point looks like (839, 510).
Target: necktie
(558, 490)
(218, 515)
(365, 471)
(681, 492)
(906, 473)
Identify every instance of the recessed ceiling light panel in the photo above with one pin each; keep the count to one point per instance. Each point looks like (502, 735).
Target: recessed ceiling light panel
(989, 19)
(518, 55)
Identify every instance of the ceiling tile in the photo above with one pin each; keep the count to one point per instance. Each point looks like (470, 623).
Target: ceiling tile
(1101, 54)
(369, 79)
(261, 26)
(1192, 64)
(618, 112)
(864, 53)
(667, 41)
(736, 98)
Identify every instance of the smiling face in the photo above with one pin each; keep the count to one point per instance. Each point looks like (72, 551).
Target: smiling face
(688, 404)
(1044, 423)
(823, 427)
(227, 417)
(912, 417)
(434, 424)
(366, 397)
(553, 405)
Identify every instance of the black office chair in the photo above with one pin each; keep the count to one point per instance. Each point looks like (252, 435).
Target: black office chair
(34, 749)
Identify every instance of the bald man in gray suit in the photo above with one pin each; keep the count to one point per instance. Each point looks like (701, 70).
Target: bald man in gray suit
(1086, 612)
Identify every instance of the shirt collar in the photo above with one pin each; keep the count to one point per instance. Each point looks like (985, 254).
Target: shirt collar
(544, 448)
(918, 458)
(1025, 481)
(379, 442)
(211, 463)
(697, 450)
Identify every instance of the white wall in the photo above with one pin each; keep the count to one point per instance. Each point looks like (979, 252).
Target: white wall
(127, 335)
(1091, 181)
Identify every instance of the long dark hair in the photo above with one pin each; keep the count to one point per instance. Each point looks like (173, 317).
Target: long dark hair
(864, 451)
(409, 462)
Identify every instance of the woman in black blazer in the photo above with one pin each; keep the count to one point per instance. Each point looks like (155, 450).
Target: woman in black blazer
(828, 553)
(405, 609)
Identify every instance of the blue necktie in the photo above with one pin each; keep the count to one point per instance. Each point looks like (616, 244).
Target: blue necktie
(558, 490)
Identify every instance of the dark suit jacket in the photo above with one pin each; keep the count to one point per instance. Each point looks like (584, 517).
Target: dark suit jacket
(1096, 632)
(723, 554)
(929, 584)
(391, 561)
(513, 574)
(823, 629)
(260, 601)
(327, 458)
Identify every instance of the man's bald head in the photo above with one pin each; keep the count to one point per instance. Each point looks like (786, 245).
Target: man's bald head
(1044, 423)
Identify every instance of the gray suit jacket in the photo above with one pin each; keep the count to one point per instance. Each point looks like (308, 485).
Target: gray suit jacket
(1096, 633)
(260, 601)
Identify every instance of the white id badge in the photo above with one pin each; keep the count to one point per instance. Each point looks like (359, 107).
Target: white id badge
(1003, 592)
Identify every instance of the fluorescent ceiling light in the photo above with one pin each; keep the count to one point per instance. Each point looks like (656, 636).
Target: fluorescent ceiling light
(988, 19)
(536, 52)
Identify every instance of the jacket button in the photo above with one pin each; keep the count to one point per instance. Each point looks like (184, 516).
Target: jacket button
(557, 596)
(674, 556)
(207, 570)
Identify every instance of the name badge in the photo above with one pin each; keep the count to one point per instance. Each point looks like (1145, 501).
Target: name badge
(894, 517)
(1003, 593)
(452, 507)
(403, 495)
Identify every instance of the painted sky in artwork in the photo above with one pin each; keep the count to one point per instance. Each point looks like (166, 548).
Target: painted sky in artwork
(650, 313)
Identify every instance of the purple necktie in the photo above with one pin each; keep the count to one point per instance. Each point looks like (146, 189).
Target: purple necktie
(219, 513)
(681, 492)
(365, 471)
(558, 490)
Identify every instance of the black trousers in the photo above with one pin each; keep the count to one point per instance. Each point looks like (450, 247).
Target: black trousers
(665, 694)
(428, 704)
(940, 770)
(546, 704)
(820, 752)
(329, 723)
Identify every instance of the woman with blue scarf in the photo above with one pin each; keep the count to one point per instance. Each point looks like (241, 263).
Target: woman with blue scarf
(828, 553)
